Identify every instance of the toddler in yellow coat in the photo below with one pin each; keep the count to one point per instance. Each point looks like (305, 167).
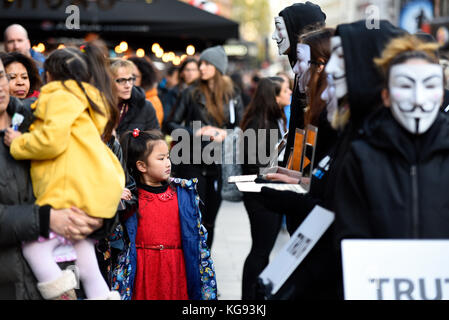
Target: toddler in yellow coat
(71, 166)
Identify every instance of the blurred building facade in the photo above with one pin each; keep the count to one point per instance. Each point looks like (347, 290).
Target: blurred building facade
(220, 7)
(345, 11)
(430, 16)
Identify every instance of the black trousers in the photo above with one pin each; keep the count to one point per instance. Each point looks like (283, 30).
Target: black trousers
(265, 226)
(209, 190)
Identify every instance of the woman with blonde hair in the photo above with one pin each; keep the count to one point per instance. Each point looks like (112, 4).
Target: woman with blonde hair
(135, 111)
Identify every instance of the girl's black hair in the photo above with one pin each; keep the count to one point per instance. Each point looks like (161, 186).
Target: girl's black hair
(138, 148)
(263, 106)
(278, 81)
(28, 63)
(88, 65)
(149, 72)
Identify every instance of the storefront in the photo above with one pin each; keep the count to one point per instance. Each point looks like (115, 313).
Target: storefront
(171, 23)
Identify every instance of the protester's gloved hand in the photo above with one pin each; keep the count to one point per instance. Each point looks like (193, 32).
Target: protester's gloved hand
(283, 202)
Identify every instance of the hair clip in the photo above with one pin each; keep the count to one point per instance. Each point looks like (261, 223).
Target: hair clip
(136, 133)
(82, 48)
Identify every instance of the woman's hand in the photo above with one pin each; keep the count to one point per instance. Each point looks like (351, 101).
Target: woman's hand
(282, 178)
(126, 195)
(10, 135)
(214, 133)
(73, 223)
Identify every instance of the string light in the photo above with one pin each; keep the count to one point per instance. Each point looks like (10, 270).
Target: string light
(155, 47)
(177, 61)
(39, 48)
(159, 53)
(140, 53)
(123, 46)
(165, 57)
(190, 50)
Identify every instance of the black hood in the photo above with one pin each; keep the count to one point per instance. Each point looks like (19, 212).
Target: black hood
(382, 131)
(297, 17)
(360, 46)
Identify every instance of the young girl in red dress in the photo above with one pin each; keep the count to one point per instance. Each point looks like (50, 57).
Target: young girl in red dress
(169, 265)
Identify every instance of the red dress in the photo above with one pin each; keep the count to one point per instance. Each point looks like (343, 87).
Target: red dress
(160, 273)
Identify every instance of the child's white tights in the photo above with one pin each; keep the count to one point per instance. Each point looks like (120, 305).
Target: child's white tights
(39, 256)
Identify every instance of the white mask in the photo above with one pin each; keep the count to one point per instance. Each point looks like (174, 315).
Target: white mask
(416, 93)
(329, 96)
(336, 67)
(280, 35)
(302, 66)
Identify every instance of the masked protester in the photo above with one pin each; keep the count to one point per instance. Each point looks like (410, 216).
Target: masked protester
(316, 113)
(316, 46)
(353, 49)
(313, 54)
(289, 25)
(292, 22)
(394, 177)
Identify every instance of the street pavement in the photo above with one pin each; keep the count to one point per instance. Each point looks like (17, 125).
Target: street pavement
(232, 243)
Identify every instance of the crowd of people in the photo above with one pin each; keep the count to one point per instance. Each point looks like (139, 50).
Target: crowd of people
(89, 185)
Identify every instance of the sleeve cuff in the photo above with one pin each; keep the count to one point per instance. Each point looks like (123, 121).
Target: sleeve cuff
(44, 221)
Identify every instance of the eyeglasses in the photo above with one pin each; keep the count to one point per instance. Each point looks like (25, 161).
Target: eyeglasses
(122, 81)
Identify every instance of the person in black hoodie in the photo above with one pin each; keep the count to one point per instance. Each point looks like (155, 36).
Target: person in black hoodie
(135, 110)
(293, 21)
(290, 24)
(319, 275)
(395, 176)
(426, 37)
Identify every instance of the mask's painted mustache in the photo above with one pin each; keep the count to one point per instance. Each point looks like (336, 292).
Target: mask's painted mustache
(415, 106)
(338, 78)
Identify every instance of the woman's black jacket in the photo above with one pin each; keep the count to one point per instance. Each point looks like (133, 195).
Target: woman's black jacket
(140, 114)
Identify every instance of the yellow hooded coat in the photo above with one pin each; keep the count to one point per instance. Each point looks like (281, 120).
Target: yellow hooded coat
(71, 165)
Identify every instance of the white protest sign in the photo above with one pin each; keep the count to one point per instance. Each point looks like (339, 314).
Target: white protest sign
(257, 187)
(300, 244)
(396, 269)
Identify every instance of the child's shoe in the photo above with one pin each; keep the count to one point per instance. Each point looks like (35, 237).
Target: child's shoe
(62, 288)
(112, 295)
